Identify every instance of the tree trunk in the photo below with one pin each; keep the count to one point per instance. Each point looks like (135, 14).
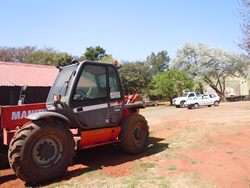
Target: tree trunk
(219, 93)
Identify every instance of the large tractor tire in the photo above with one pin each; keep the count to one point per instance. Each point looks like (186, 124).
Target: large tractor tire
(41, 151)
(134, 134)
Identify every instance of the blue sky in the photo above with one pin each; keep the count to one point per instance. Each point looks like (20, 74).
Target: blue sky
(128, 29)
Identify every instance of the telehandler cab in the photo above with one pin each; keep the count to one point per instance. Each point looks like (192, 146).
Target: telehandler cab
(85, 108)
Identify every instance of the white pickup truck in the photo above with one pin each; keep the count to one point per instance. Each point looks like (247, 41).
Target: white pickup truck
(179, 101)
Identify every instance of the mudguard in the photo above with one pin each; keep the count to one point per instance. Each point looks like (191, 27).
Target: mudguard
(136, 105)
(47, 114)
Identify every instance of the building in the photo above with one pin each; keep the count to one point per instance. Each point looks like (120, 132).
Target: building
(37, 78)
(238, 86)
(235, 86)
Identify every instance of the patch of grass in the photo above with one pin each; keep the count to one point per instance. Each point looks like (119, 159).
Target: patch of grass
(194, 162)
(171, 167)
(189, 138)
(170, 126)
(146, 165)
(171, 154)
(60, 185)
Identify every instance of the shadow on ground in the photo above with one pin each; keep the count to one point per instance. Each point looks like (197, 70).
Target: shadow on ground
(109, 155)
(99, 157)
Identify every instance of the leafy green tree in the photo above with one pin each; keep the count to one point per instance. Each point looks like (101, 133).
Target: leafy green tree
(91, 53)
(50, 57)
(135, 77)
(170, 84)
(158, 62)
(198, 86)
(211, 65)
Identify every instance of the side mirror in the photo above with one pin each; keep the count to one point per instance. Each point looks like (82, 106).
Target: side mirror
(21, 96)
(24, 87)
(21, 100)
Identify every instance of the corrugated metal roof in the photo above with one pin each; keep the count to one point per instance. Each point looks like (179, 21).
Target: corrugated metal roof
(19, 74)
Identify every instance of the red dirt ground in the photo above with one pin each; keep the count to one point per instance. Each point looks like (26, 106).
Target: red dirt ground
(213, 142)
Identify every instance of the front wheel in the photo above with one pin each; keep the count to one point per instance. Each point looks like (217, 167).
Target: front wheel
(41, 151)
(182, 104)
(196, 105)
(134, 134)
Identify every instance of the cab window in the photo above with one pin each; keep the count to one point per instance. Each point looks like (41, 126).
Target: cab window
(92, 83)
(205, 97)
(114, 84)
(212, 95)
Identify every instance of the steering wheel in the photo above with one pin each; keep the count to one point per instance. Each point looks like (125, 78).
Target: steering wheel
(80, 94)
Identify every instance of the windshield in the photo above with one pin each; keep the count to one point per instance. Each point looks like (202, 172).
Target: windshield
(61, 83)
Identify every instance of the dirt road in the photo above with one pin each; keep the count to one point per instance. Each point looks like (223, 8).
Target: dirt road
(206, 147)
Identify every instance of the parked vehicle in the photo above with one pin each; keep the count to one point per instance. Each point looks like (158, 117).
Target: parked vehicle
(203, 100)
(179, 101)
(151, 103)
(85, 108)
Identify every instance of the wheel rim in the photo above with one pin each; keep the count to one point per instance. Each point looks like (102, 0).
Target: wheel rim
(196, 105)
(216, 103)
(182, 104)
(46, 152)
(139, 135)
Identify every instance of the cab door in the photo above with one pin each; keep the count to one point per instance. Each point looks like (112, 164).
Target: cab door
(90, 97)
(115, 96)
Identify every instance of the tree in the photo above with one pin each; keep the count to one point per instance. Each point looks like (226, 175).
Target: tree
(19, 54)
(171, 83)
(91, 53)
(198, 86)
(50, 57)
(245, 42)
(135, 77)
(211, 65)
(158, 62)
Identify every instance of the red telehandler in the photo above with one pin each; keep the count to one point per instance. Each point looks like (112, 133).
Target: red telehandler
(85, 108)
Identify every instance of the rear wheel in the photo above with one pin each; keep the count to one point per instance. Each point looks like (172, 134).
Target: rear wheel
(134, 134)
(216, 103)
(41, 151)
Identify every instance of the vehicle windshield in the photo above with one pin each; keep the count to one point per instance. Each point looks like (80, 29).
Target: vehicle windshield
(61, 83)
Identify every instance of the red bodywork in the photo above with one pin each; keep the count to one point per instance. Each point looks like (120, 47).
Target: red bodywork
(13, 117)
